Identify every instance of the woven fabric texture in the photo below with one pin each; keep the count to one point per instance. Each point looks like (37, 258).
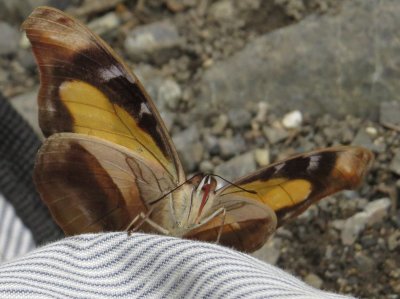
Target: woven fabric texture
(145, 266)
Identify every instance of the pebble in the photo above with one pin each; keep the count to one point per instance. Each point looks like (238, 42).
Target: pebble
(211, 144)
(371, 131)
(222, 10)
(394, 240)
(239, 118)
(373, 213)
(261, 112)
(364, 139)
(169, 94)
(206, 166)
(185, 137)
(389, 113)
(227, 147)
(314, 280)
(377, 210)
(365, 264)
(275, 135)
(236, 167)
(10, 39)
(262, 156)
(270, 252)
(292, 120)
(394, 165)
(105, 24)
(26, 105)
(220, 124)
(157, 42)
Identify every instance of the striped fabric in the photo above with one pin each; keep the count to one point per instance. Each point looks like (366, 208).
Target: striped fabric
(145, 266)
(15, 238)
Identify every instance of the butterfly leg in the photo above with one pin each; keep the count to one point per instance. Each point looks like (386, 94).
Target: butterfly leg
(145, 218)
(222, 225)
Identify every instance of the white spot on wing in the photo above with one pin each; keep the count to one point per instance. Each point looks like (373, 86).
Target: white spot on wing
(279, 167)
(313, 163)
(109, 73)
(144, 109)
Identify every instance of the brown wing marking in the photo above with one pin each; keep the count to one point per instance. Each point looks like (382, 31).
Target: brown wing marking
(290, 186)
(246, 226)
(86, 88)
(88, 184)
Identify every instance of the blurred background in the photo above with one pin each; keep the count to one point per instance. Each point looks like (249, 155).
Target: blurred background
(241, 84)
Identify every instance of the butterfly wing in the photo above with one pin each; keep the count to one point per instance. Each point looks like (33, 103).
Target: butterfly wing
(92, 185)
(287, 188)
(86, 88)
(244, 224)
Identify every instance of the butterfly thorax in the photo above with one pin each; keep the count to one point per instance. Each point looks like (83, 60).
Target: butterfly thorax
(189, 206)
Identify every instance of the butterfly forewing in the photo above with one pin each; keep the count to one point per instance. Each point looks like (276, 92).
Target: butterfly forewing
(288, 187)
(85, 88)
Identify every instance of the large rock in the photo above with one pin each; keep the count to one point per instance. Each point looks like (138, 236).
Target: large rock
(9, 38)
(340, 64)
(157, 42)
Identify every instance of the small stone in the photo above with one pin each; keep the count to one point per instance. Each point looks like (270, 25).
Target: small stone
(169, 93)
(187, 136)
(374, 212)
(26, 105)
(105, 23)
(275, 135)
(261, 112)
(338, 224)
(394, 240)
(191, 156)
(26, 59)
(270, 252)
(211, 144)
(239, 118)
(157, 42)
(292, 120)
(377, 210)
(363, 139)
(220, 124)
(237, 166)
(389, 113)
(395, 163)
(206, 166)
(227, 147)
(222, 10)
(262, 156)
(168, 119)
(365, 263)
(313, 280)
(353, 227)
(10, 38)
(371, 131)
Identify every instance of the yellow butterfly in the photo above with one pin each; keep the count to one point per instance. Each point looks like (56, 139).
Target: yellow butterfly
(109, 163)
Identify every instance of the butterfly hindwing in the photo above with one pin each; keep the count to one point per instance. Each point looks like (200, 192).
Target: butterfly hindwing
(244, 225)
(85, 88)
(92, 185)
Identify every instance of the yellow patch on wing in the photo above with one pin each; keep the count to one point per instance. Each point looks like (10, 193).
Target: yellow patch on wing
(279, 193)
(107, 120)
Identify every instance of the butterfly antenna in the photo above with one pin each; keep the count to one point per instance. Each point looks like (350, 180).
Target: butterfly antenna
(233, 184)
(169, 192)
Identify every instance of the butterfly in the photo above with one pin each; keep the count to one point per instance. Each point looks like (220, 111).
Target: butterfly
(108, 163)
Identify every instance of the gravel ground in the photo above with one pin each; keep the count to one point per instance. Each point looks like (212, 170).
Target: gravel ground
(348, 243)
